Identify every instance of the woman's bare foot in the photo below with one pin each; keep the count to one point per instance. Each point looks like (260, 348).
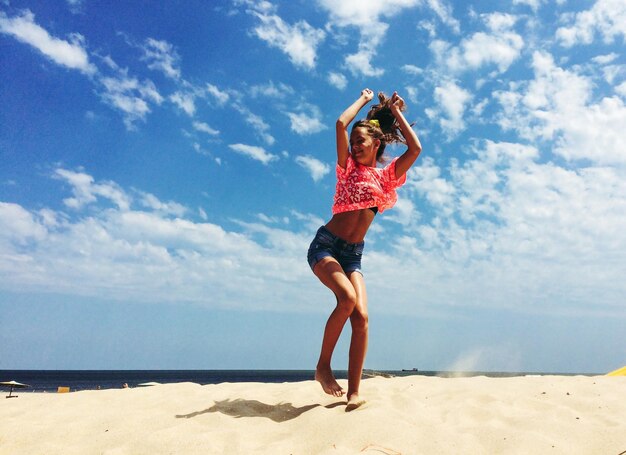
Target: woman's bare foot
(354, 402)
(329, 384)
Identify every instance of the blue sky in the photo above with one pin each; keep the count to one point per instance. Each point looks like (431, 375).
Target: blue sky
(164, 169)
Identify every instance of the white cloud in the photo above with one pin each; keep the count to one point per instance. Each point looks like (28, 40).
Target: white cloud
(500, 47)
(86, 191)
(148, 255)
(520, 232)
(76, 6)
(427, 181)
(360, 63)
(412, 93)
(499, 21)
(186, 96)
(444, 11)
(130, 96)
(404, 212)
(367, 17)
(302, 123)
(606, 17)
(135, 108)
(298, 41)
(479, 107)
(271, 90)
(534, 4)
(220, 96)
(337, 80)
(200, 150)
(613, 72)
(610, 67)
(596, 134)
(71, 54)
(621, 89)
(452, 102)
(316, 168)
(120, 91)
(604, 59)
(185, 101)
(260, 126)
(557, 106)
(537, 238)
(205, 128)
(364, 13)
(254, 152)
(428, 27)
(412, 69)
(267, 219)
(307, 121)
(49, 218)
(161, 56)
(19, 226)
(165, 208)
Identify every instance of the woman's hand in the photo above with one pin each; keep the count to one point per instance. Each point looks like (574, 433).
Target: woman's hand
(367, 94)
(397, 103)
(341, 126)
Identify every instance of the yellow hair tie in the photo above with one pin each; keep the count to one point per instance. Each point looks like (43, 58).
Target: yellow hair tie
(375, 122)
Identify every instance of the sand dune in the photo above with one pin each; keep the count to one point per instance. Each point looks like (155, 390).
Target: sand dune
(410, 415)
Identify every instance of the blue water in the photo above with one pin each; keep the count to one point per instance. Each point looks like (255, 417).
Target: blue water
(76, 380)
(50, 380)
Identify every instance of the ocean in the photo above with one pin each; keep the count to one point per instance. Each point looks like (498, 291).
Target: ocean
(77, 380)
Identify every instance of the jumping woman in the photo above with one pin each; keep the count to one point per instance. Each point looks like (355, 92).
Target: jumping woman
(362, 190)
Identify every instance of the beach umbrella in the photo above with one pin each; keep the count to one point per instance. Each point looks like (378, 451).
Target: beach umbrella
(13, 385)
(618, 372)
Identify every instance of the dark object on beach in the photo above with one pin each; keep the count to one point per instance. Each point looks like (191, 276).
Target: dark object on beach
(412, 369)
(13, 385)
(148, 384)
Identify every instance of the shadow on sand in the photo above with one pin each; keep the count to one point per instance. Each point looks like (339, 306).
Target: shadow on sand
(238, 408)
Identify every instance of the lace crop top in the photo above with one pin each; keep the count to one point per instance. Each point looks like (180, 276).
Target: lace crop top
(362, 187)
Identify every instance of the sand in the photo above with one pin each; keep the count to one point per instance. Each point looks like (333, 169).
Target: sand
(409, 415)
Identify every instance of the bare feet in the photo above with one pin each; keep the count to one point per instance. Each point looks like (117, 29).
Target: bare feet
(354, 402)
(329, 384)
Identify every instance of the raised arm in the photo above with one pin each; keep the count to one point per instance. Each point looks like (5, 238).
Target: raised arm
(406, 160)
(344, 120)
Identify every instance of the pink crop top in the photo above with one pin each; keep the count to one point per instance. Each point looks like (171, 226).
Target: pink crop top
(362, 187)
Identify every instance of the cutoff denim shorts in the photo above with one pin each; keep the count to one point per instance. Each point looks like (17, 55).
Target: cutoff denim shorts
(326, 244)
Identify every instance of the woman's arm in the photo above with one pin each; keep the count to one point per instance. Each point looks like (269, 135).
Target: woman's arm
(343, 142)
(406, 160)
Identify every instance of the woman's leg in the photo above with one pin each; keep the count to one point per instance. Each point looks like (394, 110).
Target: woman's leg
(331, 274)
(358, 343)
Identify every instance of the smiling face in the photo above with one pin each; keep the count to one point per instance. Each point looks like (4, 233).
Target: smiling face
(363, 147)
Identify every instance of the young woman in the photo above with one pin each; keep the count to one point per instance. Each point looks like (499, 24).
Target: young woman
(362, 190)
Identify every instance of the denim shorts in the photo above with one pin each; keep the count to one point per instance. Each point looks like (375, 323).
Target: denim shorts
(326, 244)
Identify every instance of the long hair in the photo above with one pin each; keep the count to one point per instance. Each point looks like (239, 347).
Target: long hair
(382, 125)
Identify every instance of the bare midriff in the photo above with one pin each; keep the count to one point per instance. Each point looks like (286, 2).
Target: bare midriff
(351, 226)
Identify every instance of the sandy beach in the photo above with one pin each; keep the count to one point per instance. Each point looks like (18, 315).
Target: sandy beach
(410, 415)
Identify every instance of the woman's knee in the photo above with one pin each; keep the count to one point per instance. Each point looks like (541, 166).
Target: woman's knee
(359, 320)
(346, 300)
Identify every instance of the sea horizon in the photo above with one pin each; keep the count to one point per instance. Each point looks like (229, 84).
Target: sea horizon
(88, 379)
